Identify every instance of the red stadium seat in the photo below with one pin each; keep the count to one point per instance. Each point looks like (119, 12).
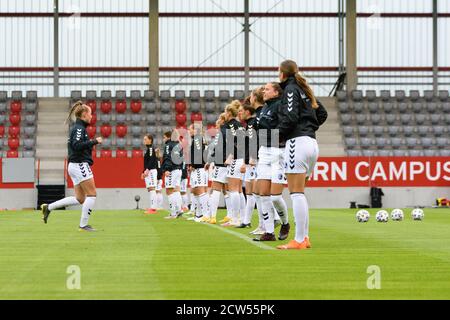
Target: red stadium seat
(94, 120)
(91, 131)
(121, 130)
(105, 130)
(137, 154)
(14, 119)
(12, 154)
(106, 106)
(181, 119)
(106, 153)
(93, 105)
(136, 106)
(14, 131)
(13, 143)
(196, 117)
(121, 106)
(121, 153)
(16, 106)
(180, 106)
(2, 131)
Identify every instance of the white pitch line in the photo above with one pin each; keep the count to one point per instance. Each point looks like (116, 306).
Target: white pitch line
(241, 236)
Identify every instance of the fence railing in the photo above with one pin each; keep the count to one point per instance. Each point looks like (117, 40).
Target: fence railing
(322, 79)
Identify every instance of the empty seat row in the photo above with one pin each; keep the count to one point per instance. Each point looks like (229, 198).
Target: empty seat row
(394, 131)
(399, 95)
(440, 142)
(390, 119)
(388, 107)
(398, 153)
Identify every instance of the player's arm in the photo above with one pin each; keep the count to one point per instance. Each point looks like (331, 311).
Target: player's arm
(78, 143)
(321, 113)
(288, 111)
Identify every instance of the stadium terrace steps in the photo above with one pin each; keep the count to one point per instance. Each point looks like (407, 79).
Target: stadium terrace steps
(329, 135)
(52, 140)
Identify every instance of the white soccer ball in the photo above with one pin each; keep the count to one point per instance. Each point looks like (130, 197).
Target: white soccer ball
(362, 215)
(397, 215)
(382, 216)
(417, 214)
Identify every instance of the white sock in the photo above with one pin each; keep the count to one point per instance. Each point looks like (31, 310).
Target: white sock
(195, 206)
(86, 210)
(160, 200)
(203, 205)
(259, 208)
(249, 208)
(280, 207)
(214, 203)
(226, 198)
(243, 204)
(178, 201)
(235, 203)
(68, 201)
(185, 200)
(152, 196)
(171, 200)
(300, 208)
(268, 214)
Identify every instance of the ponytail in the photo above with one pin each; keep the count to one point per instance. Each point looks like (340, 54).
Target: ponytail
(301, 81)
(289, 68)
(76, 111)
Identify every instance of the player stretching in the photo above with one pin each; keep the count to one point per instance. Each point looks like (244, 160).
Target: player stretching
(150, 172)
(300, 117)
(80, 162)
(171, 166)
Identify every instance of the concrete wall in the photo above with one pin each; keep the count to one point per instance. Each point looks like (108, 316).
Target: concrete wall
(317, 197)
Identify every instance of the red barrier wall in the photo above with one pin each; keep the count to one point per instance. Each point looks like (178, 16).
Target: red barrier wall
(329, 172)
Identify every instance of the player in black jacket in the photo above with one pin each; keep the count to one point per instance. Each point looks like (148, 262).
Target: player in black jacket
(270, 170)
(159, 185)
(199, 176)
(80, 162)
(171, 167)
(300, 117)
(228, 161)
(150, 172)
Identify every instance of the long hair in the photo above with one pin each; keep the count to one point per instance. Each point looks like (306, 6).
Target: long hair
(76, 111)
(258, 93)
(233, 108)
(290, 69)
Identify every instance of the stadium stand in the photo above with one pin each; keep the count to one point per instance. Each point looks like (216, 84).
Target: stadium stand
(18, 118)
(401, 125)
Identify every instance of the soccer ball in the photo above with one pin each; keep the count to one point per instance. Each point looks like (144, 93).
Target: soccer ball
(382, 216)
(417, 214)
(397, 215)
(362, 215)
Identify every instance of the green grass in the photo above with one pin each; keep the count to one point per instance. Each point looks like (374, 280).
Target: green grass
(147, 257)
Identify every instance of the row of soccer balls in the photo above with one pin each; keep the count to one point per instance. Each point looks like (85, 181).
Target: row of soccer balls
(383, 216)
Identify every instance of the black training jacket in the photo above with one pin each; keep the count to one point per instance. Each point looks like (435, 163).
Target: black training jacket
(79, 145)
(251, 139)
(150, 159)
(268, 121)
(173, 156)
(197, 151)
(297, 117)
(160, 172)
(228, 136)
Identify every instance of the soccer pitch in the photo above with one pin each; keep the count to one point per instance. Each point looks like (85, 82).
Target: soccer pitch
(134, 256)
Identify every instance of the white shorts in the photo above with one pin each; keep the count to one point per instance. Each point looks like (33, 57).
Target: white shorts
(219, 174)
(79, 172)
(173, 180)
(271, 165)
(151, 179)
(199, 178)
(159, 185)
(234, 169)
(250, 173)
(184, 185)
(301, 155)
